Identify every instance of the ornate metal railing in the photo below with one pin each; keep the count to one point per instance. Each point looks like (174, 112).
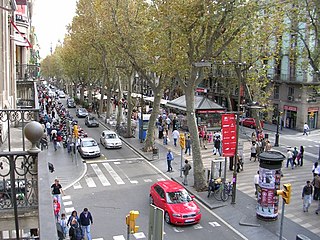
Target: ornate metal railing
(11, 118)
(18, 180)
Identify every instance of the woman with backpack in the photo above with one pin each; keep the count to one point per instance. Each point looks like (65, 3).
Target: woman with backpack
(75, 232)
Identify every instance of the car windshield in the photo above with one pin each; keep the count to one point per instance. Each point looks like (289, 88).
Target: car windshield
(178, 197)
(92, 118)
(89, 143)
(111, 136)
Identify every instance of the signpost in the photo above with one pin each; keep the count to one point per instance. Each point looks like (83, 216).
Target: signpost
(182, 141)
(156, 222)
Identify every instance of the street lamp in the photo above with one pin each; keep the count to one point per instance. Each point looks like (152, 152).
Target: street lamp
(276, 143)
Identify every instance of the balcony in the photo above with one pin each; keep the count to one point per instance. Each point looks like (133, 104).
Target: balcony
(25, 202)
(27, 72)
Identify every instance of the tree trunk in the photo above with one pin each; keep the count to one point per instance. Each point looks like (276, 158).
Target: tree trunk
(149, 143)
(199, 174)
(74, 94)
(130, 105)
(108, 107)
(101, 99)
(119, 114)
(81, 94)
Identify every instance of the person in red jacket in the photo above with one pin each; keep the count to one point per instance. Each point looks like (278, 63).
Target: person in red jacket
(56, 208)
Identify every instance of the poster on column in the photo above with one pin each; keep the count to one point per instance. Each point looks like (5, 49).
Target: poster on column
(229, 134)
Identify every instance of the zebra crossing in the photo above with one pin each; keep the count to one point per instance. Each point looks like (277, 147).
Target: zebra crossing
(104, 173)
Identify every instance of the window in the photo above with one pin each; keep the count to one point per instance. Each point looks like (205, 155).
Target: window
(159, 190)
(276, 92)
(291, 91)
(178, 197)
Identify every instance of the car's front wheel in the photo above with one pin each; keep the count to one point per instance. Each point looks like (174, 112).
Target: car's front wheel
(167, 217)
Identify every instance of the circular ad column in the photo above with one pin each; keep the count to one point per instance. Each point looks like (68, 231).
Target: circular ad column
(269, 182)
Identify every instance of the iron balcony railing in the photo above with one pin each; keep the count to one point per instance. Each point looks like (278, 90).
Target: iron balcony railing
(27, 71)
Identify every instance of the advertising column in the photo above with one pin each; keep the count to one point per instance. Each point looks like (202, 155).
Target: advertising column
(269, 182)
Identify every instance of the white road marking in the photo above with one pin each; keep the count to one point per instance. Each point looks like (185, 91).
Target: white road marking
(113, 174)
(117, 163)
(120, 237)
(197, 226)
(104, 181)
(160, 179)
(134, 181)
(68, 197)
(148, 180)
(214, 224)
(67, 203)
(139, 235)
(97, 238)
(177, 229)
(77, 185)
(90, 182)
(69, 210)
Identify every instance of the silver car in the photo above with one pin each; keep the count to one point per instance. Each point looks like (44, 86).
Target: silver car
(89, 148)
(110, 139)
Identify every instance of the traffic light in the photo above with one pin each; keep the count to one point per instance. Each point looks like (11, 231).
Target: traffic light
(285, 193)
(182, 140)
(131, 222)
(75, 131)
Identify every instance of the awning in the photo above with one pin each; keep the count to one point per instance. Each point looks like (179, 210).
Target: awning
(20, 38)
(151, 99)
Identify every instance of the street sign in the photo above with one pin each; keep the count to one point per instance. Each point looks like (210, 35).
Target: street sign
(156, 223)
(229, 134)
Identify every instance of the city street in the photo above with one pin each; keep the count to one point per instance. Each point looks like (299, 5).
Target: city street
(126, 170)
(119, 181)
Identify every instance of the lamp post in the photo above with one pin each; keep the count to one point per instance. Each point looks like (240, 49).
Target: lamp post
(276, 143)
(141, 115)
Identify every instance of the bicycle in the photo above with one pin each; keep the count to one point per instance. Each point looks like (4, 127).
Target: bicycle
(221, 191)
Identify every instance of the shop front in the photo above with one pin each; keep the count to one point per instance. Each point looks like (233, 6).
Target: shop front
(313, 116)
(290, 116)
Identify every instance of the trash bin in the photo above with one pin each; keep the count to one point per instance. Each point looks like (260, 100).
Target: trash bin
(270, 163)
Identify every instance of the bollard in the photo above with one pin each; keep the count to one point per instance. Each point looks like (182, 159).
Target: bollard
(302, 237)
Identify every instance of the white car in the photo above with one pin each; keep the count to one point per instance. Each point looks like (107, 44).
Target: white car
(110, 139)
(62, 94)
(89, 148)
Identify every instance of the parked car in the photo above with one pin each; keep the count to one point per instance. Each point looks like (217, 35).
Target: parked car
(82, 112)
(71, 103)
(91, 121)
(250, 122)
(110, 139)
(178, 205)
(89, 148)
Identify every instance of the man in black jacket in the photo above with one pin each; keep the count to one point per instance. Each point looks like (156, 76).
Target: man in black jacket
(85, 221)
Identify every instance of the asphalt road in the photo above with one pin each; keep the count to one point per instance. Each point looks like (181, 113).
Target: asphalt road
(119, 181)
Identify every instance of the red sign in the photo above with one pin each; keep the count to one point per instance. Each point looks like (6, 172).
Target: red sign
(229, 134)
(201, 90)
(290, 108)
(313, 109)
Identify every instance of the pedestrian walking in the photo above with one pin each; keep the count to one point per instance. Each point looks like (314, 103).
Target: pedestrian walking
(188, 145)
(316, 185)
(75, 231)
(294, 156)
(301, 155)
(305, 129)
(175, 136)
(56, 208)
(289, 158)
(170, 158)
(268, 146)
(256, 183)
(63, 224)
(217, 146)
(86, 221)
(316, 169)
(205, 140)
(186, 168)
(57, 190)
(253, 151)
(307, 196)
(165, 138)
(74, 215)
